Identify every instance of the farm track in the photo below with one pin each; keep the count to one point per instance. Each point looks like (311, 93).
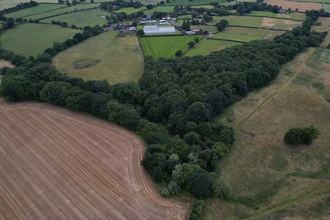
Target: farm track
(58, 164)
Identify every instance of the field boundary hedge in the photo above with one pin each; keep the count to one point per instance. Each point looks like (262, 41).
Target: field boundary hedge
(271, 17)
(68, 12)
(236, 41)
(273, 29)
(144, 55)
(41, 12)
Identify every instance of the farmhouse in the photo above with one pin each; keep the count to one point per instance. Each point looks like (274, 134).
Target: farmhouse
(132, 29)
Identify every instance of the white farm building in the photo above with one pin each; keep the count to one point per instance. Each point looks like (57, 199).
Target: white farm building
(154, 29)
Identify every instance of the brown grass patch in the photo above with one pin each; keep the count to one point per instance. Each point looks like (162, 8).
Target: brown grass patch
(4, 63)
(325, 22)
(280, 23)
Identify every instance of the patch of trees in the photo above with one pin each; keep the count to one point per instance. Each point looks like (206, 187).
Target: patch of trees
(78, 37)
(186, 25)
(118, 3)
(222, 24)
(296, 136)
(173, 105)
(197, 210)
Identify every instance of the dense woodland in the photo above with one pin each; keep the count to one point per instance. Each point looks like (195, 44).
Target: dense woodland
(173, 105)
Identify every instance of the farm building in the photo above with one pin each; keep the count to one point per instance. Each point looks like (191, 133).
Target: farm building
(154, 29)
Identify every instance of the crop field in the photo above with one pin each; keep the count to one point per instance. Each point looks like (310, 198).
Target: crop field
(59, 164)
(88, 18)
(33, 39)
(262, 163)
(280, 23)
(325, 22)
(262, 14)
(206, 46)
(302, 6)
(194, 2)
(62, 11)
(130, 10)
(120, 59)
(160, 9)
(165, 46)
(35, 10)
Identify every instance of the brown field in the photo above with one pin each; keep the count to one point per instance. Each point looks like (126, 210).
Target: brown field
(302, 6)
(4, 63)
(58, 164)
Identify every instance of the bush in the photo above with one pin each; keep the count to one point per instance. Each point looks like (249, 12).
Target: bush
(200, 183)
(296, 136)
(173, 188)
(221, 189)
(197, 210)
(164, 192)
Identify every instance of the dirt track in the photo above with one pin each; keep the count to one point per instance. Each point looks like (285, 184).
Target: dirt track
(57, 164)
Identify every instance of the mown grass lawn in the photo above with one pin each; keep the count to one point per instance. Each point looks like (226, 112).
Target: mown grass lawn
(33, 39)
(166, 46)
(63, 10)
(262, 14)
(121, 59)
(89, 18)
(34, 10)
(207, 46)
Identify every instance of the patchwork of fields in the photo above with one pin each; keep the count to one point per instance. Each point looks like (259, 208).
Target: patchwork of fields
(41, 8)
(88, 18)
(33, 39)
(120, 58)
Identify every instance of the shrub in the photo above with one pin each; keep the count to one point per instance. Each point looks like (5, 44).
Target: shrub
(296, 136)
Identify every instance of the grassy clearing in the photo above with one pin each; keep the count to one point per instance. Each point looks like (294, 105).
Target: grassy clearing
(34, 10)
(279, 23)
(262, 14)
(299, 16)
(117, 59)
(324, 27)
(263, 163)
(63, 10)
(160, 9)
(194, 2)
(165, 46)
(33, 39)
(205, 47)
(203, 6)
(241, 34)
(244, 21)
(89, 18)
(130, 10)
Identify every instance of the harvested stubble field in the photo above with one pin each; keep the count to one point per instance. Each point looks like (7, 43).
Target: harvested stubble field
(121, 59)
(206, 46)
(88, 18)
(302, 6)
(59, 164)
(262, 163)
(37, 37)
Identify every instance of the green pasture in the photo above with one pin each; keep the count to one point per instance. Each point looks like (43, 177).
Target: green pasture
(33, 39)
(185, 16)
(326, 7)
(63, 10)
(209, 28)
(301, 16)
(262, 14)
(159, 9)
(203, 6)
(244, 21)
(241, 34)
(130, 10)
(89, 18)
(206, 46)
(41, 8)
(194, 2)
(120, 59)
(165, 46)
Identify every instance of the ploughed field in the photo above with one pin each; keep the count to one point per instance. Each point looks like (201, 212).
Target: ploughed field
(58, 164)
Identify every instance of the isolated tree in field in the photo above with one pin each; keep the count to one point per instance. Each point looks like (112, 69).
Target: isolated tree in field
(191, 44)
(149, 6)
(200, 183)
(220, 27)
(296, 136)
(196, 40)
(178, 53)
(140, 32)
(297, 9)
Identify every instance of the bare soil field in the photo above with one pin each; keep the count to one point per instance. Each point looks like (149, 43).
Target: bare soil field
(302, 6)
(58, 164)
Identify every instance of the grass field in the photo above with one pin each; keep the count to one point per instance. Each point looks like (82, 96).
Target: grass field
(209, 28)
(121, 59)
(159, 9)
(244, 21)
(203, 6)
(262, 163)
(33, 39)
(326, 7)
(324, 27)
(262, 14)
(90, 17)
(194, 2)
(34, 10)
(130, 10)
(206, 46)
(280, 23)
(62, 11)
(241, 34)
(165, 46)
(60, 164)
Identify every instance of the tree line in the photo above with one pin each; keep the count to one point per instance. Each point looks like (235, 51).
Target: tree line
(173, 105)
